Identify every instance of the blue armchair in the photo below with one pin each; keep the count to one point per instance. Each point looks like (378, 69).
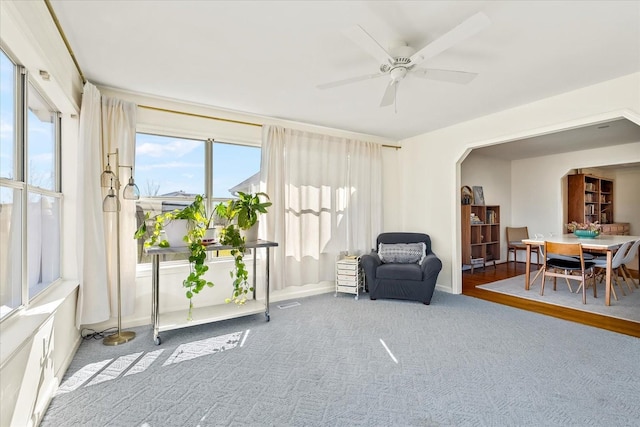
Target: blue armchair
(398, 278)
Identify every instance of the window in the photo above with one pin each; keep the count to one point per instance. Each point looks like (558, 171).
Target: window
(170, 171)
(30, 198)
(43, 202)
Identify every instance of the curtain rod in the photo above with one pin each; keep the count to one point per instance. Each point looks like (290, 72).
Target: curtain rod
(166, 110)
(202, 116)
(64, 39)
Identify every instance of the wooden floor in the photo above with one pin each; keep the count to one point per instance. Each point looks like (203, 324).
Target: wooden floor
(509, 269)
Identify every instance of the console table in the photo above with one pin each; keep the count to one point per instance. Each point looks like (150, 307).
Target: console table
(177, 319)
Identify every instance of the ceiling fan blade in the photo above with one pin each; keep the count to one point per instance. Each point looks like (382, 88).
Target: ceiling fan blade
(363, 39)
(451, 76)
(389, 94)
(350, 80)
(466, 29)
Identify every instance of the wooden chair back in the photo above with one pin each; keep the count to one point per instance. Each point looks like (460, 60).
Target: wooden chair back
(570, 261)
(516, 234)
(567, 249)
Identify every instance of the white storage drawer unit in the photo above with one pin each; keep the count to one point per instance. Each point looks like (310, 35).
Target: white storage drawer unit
(349, 276)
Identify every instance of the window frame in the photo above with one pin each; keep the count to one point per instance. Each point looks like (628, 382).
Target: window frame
(23, 83)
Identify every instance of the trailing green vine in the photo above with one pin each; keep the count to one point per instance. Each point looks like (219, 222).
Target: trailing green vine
(240, 275)
(197, 223)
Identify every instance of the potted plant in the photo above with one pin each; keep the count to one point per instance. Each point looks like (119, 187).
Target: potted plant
(197, 223)
(248, 206)
(244, 211)
(584, 229)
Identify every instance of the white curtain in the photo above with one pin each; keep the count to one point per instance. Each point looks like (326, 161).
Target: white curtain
(93, 300)
(119, 131)
(326, 195)
(105, 124)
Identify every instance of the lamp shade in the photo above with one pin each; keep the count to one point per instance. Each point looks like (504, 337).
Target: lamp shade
(107, 178)
(131, 191)
(111, 203)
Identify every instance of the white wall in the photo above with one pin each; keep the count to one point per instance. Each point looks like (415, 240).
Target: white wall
(392, 190)
(432, 161)
(626, 201)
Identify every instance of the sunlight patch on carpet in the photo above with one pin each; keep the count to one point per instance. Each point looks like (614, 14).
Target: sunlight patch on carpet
(288, 305)
(144, 363)
(388, 351)
(114, 370)
(81, 376)
(108, 369)
(201, 348)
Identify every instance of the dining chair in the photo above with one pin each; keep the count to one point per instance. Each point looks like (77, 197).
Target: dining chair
(557, 264)
(515, 235)
(628, 259)
(540, 255)
(600, 264)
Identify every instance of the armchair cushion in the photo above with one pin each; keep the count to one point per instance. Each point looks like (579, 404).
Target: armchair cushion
(403, 253)
(399, 272)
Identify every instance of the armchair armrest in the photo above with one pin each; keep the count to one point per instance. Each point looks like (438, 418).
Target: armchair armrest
(371, 259)
(430, 265)
(369, 264)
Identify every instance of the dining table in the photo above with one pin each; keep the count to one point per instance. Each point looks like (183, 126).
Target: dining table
(601, 243)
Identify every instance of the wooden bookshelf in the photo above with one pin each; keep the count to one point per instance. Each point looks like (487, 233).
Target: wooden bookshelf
(590, 199)
(480, 235)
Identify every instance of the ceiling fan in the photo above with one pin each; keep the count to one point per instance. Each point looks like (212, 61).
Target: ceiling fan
(401, 59)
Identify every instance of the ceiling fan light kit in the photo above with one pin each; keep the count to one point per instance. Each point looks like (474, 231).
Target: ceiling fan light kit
(401, 59)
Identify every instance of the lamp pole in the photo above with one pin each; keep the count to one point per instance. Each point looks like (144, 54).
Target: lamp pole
(111, 203)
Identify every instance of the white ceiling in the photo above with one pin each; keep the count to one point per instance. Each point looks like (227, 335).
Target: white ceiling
(267, 57)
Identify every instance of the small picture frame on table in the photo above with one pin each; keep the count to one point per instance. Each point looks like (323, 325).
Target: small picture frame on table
(478, 195)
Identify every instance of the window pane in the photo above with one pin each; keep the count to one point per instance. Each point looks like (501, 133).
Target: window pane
(169, 172)
(43, 242)
(41, 139)
(10, 249)
(7, 117)
(235, 168)
(169, 167)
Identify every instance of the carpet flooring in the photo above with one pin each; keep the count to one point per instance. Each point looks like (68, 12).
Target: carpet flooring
(335, 361)
(626, 307)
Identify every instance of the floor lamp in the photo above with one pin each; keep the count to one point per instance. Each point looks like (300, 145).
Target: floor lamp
(111, 203)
